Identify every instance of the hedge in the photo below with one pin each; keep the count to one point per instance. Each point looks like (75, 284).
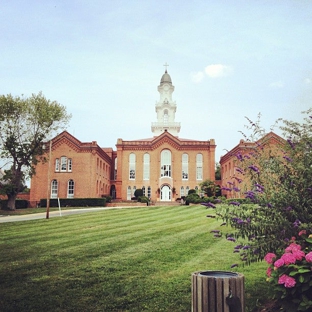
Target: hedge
(75, 202)
(19, 204)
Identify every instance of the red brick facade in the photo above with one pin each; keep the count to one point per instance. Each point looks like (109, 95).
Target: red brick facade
(86, 168)
(92, 171)
(271, 143)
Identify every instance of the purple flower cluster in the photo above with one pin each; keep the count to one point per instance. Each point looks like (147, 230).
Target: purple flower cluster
(292, 145)
(224, 188)
(208, 205)
(296, 223)
(259, 188)
(234, 203)
(239, 170)
(254, 168)
(287, 158)
(239, 157)
(231, 238)
(251, 195)
(241, 221)
(238, 179)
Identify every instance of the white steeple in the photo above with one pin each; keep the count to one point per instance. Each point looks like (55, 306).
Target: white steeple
(165, 108)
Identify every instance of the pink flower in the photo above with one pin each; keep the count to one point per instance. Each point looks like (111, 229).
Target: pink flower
(303, 232)
(293, 247)
(287, 281)
(282, 279)
(298, 254)
(288, 258)
(269, 257)
(269, 271)
(278, 263)
(308, 257)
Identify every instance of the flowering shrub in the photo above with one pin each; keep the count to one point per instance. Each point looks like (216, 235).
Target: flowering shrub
(274, 176)
(290, 273)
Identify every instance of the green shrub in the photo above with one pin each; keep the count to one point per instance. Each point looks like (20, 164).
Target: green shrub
(19, 204)
(75, 202)
(138, 193)
(192, 198)
(191, 191)
(108, 198)
(143, 199)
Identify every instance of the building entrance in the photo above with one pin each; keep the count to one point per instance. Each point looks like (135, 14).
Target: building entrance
(165, 193)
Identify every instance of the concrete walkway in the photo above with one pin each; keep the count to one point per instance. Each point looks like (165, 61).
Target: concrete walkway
(53, 214)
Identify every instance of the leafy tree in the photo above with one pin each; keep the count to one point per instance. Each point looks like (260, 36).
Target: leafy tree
(209, 187)
(280, 188)
(25, 123)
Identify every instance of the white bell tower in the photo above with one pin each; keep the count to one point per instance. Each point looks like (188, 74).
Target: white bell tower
(165, 108)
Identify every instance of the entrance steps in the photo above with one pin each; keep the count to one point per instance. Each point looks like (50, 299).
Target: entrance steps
(167, 203)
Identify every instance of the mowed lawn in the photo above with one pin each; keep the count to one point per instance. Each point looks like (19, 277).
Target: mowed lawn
(138, 259)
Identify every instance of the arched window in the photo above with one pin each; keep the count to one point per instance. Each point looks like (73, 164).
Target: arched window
(146, 166)
(187, 190)
(66, 164)
(165, 169)
(54, 189)
(63, 163)
(129, 193)
(199, 167)
(132, 166)
(57, 164)
(185, 166)
(166, 116)
(182, 191)
(70, 189)
(115, 169)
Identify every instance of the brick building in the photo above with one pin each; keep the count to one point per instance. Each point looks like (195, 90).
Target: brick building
(270, 145)
(164, 166)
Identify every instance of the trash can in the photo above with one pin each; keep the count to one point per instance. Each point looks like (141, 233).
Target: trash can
(218, 291)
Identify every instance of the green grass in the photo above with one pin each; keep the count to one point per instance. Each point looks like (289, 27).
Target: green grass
(138, 259)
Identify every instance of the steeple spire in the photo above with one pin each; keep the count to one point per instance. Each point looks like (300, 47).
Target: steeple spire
(165, 108)
(166, 65)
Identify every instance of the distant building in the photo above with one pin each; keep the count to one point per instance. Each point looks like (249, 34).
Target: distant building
(165, 166)
(231, 178)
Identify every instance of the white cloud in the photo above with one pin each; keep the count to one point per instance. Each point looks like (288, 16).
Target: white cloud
(277, 84)
(218, 70)
(197, 77)
(308, 80)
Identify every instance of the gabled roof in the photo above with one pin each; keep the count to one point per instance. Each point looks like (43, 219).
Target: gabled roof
(248, 145)
(165, 137)
(66, 138)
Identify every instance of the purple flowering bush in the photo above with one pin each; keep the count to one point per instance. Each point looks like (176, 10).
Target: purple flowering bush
(275, 175)
(290, 274)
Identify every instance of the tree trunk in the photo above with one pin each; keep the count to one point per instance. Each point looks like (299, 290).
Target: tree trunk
(11, 201)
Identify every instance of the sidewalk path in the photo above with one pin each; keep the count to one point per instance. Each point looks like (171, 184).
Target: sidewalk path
(52, 214)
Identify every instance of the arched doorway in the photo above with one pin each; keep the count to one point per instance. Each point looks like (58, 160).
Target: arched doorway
(113, 192)
(165, 193)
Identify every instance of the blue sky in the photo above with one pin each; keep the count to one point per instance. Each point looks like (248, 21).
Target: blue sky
(104, 59)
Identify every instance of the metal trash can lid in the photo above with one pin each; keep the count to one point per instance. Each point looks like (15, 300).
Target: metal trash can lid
(218, 274)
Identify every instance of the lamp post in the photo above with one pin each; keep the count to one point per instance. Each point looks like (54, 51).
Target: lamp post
(49, 183)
